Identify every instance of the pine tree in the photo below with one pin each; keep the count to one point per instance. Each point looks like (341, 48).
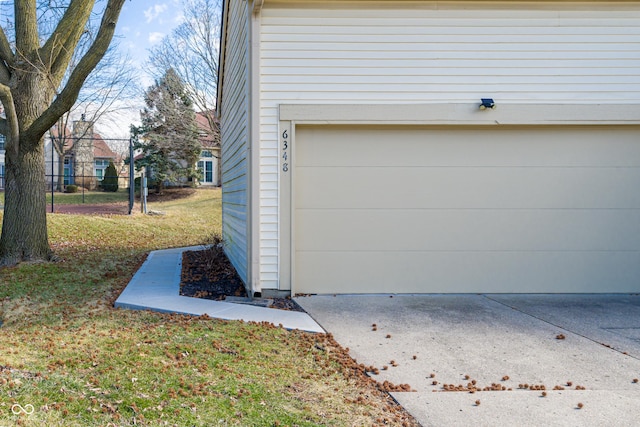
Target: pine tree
(110, 180)
(168, 136)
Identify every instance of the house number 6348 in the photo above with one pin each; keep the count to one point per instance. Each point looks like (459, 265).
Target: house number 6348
(285, 151)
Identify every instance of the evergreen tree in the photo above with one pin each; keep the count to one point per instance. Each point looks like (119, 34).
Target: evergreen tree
(168, 136)
(110, 180)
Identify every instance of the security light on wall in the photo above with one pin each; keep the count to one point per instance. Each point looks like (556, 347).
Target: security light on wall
(487, 103)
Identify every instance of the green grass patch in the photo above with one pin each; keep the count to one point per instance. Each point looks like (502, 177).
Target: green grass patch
(79, 362)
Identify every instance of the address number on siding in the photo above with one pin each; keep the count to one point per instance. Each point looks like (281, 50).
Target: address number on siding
(285, 151)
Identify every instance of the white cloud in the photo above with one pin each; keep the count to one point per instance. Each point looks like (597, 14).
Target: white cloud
(155, 37)
(154, 11)
(178, 19)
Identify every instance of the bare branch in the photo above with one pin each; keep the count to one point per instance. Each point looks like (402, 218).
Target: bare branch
(192, 51)
(69, 94)
(5, 75)
(58, 49)
(11, 133)
(6, 54)
(61, 62)
(27, 38)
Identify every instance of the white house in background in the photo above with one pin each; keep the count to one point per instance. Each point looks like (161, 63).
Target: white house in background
(87, 159)
(356, 157)
(98, 155)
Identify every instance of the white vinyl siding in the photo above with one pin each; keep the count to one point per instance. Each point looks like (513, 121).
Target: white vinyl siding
(235, 138)
(519, 55)
(437, 52)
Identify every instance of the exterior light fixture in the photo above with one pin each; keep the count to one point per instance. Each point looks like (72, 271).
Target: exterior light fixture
(487, 103)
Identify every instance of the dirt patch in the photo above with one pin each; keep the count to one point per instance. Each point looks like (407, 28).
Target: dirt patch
(120, 208)
(91, 209)
(209, 274)
(169, 194)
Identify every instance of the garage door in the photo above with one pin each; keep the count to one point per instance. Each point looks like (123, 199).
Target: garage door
(466, 209)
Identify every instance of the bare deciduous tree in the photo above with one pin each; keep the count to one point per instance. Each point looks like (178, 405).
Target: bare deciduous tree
(107, 89)
(35, 94)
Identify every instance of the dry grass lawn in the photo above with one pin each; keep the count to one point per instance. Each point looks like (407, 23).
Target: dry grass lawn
(68, 358)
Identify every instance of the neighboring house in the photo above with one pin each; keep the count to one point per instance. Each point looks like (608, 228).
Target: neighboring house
(102, 156)
(87, 158)
(209, 162)
(356, 157)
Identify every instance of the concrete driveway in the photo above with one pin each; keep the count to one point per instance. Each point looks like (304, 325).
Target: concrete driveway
(504, 340)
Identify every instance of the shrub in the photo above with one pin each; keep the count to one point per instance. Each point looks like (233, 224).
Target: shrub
(71, 188)
(214, 249)
(110, 181)
(151, 183)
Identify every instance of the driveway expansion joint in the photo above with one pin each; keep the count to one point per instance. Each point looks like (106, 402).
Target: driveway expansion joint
(564, 328)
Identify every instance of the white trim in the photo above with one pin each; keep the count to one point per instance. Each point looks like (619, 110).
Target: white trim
(285, 221)
(463, 114)
(223, 50)
(253, 223)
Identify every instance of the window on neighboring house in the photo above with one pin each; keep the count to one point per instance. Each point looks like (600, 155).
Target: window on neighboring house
(68, 176)
(2, 140)
(206, 166)
(1, 175)
(100, 167)
(206, 153)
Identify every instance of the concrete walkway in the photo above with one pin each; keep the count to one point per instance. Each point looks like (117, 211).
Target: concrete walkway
(592, 341)
(156, 287)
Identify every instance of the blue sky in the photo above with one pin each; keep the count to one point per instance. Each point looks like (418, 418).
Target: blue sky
(144, 23)
(141, 25)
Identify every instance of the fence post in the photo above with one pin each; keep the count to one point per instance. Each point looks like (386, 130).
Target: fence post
(52, 173)
(132, 180)
(83, 182)
(143, 192)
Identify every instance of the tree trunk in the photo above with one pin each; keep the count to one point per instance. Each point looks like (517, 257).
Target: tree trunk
(34, 98)
(24, 226)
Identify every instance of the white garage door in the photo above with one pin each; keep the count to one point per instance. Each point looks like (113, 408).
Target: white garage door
(466, 209)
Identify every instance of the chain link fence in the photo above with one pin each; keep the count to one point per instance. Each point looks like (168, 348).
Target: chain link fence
(83, 175)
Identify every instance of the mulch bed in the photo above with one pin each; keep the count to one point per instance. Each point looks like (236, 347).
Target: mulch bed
(209, 274)
(168, 194)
